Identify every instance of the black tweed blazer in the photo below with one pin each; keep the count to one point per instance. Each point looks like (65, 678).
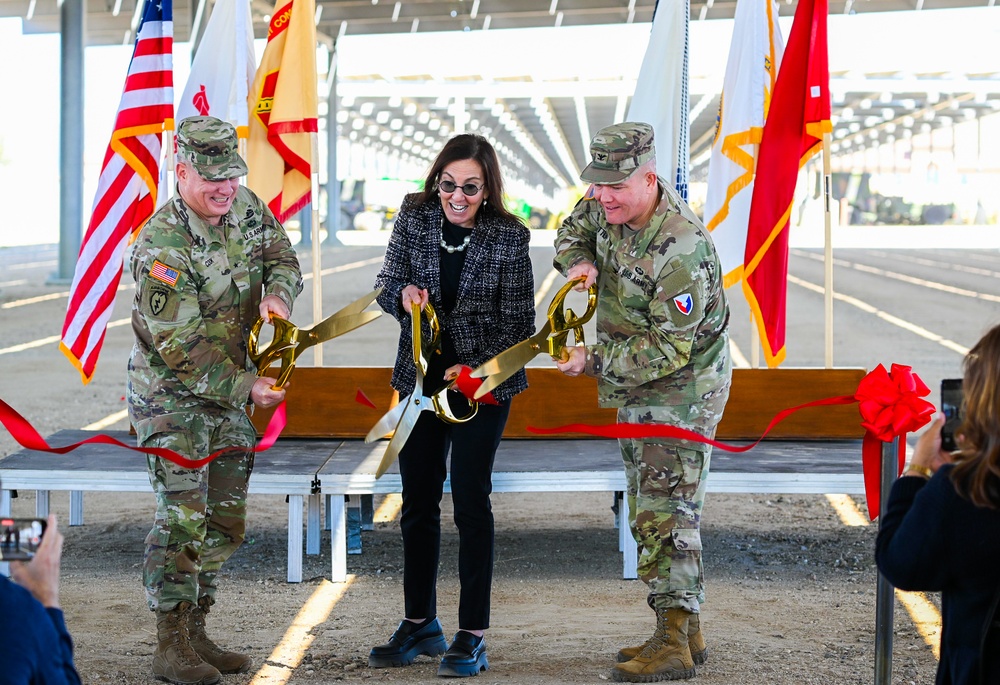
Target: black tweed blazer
(495, 306)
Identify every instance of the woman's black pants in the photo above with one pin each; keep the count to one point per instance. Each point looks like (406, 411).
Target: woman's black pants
(422, 467)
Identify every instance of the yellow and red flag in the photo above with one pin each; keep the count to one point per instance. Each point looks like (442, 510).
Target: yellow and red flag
(283, 109)
(798, 117)
(754, 59)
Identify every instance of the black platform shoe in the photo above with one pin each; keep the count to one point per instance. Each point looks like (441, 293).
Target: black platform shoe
(466, 656)
(410, 640)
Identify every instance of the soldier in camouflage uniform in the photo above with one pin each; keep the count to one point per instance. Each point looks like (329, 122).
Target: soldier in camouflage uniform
(661, 357)
(206, 265)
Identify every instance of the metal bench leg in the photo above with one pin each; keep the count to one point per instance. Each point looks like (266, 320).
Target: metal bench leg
(312, 525)
(353, 525)
(326, 518)
(338, 539)
(367, 512)
(295, 538)
(630, 554)
(41, 503)
(5, 499)
(76, 508)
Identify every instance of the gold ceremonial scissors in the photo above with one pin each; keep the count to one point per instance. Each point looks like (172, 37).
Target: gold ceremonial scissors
(552, 337)
(403, 417)
(290, 341)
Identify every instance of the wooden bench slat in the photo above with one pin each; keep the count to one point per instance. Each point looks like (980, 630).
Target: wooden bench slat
(322, 403)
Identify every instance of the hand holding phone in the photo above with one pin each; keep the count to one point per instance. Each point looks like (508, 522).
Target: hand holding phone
(951, 407)
(40, 574)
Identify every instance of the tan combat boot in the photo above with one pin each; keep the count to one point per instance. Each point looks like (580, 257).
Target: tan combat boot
(226, 662)
(666, 655)
(174, 661)
(696, 641)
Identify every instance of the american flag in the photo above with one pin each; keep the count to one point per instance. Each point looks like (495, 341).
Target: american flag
(126, 189)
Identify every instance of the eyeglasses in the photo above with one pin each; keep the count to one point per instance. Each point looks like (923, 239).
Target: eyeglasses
(469, 189)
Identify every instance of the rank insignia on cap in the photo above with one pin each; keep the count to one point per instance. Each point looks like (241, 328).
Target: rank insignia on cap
(683, 303)
(164, 273)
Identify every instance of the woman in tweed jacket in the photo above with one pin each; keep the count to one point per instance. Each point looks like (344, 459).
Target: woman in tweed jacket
(455, 246)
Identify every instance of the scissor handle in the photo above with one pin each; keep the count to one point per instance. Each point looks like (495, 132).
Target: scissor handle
(564, 320)
(282, 346)
(421, 352)
(443, 410)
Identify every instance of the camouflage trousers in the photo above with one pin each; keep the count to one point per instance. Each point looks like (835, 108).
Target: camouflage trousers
(200, 513)
(666, 494)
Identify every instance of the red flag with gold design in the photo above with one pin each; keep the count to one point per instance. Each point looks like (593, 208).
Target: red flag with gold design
(798, 117)
(283, 109)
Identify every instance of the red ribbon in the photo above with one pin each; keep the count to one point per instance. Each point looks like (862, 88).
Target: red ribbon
(464, 383)
(26, 436)
(890, 405)
(361, 398)
(467, 385)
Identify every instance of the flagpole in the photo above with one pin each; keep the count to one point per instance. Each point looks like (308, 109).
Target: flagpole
(317, 257)
(827, 256)
(171, 162)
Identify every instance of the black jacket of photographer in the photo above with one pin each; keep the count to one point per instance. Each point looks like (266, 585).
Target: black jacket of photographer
(931, 539)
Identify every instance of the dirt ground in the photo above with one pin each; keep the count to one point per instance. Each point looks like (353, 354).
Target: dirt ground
(791, 596)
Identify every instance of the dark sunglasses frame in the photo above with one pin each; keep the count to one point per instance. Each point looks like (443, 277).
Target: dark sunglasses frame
(469, 189)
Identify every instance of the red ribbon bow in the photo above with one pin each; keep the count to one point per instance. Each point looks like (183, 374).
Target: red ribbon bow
(891, 405)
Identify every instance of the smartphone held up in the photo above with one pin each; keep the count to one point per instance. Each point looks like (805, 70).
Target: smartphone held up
(951, 407)
(20, 537)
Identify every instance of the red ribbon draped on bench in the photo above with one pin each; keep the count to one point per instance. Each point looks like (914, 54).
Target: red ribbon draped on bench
(26, 436)
(890, 403)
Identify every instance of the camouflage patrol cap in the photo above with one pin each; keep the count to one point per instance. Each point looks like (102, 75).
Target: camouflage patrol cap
(210, 144)
(617, 151)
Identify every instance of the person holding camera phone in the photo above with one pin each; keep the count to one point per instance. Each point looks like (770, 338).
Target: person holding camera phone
(36, 647)
(942, 520)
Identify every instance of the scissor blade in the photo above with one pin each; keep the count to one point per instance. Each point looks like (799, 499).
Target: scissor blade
(359, 304)
(334, 326)
(515, 357)
(356, 307)
(508, 364)
(406, 423)
(388, 421)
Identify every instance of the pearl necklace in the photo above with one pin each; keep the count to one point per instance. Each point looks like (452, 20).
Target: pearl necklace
(456, 248)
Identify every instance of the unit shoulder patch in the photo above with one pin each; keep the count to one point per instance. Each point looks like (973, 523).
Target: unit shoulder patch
(159, 301)
(684, 303)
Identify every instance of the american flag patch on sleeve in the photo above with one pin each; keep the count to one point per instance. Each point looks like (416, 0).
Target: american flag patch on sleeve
(164, 273)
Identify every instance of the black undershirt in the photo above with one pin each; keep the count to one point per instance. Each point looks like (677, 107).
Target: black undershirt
(452, 263)
(451, 273)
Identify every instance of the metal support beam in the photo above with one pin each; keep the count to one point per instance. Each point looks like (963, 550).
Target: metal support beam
(200, 12)
(332, 136)
(73, 29)
(884, 593)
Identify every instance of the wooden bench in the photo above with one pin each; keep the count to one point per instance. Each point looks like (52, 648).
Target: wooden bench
(816, 450)
(321, 452)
